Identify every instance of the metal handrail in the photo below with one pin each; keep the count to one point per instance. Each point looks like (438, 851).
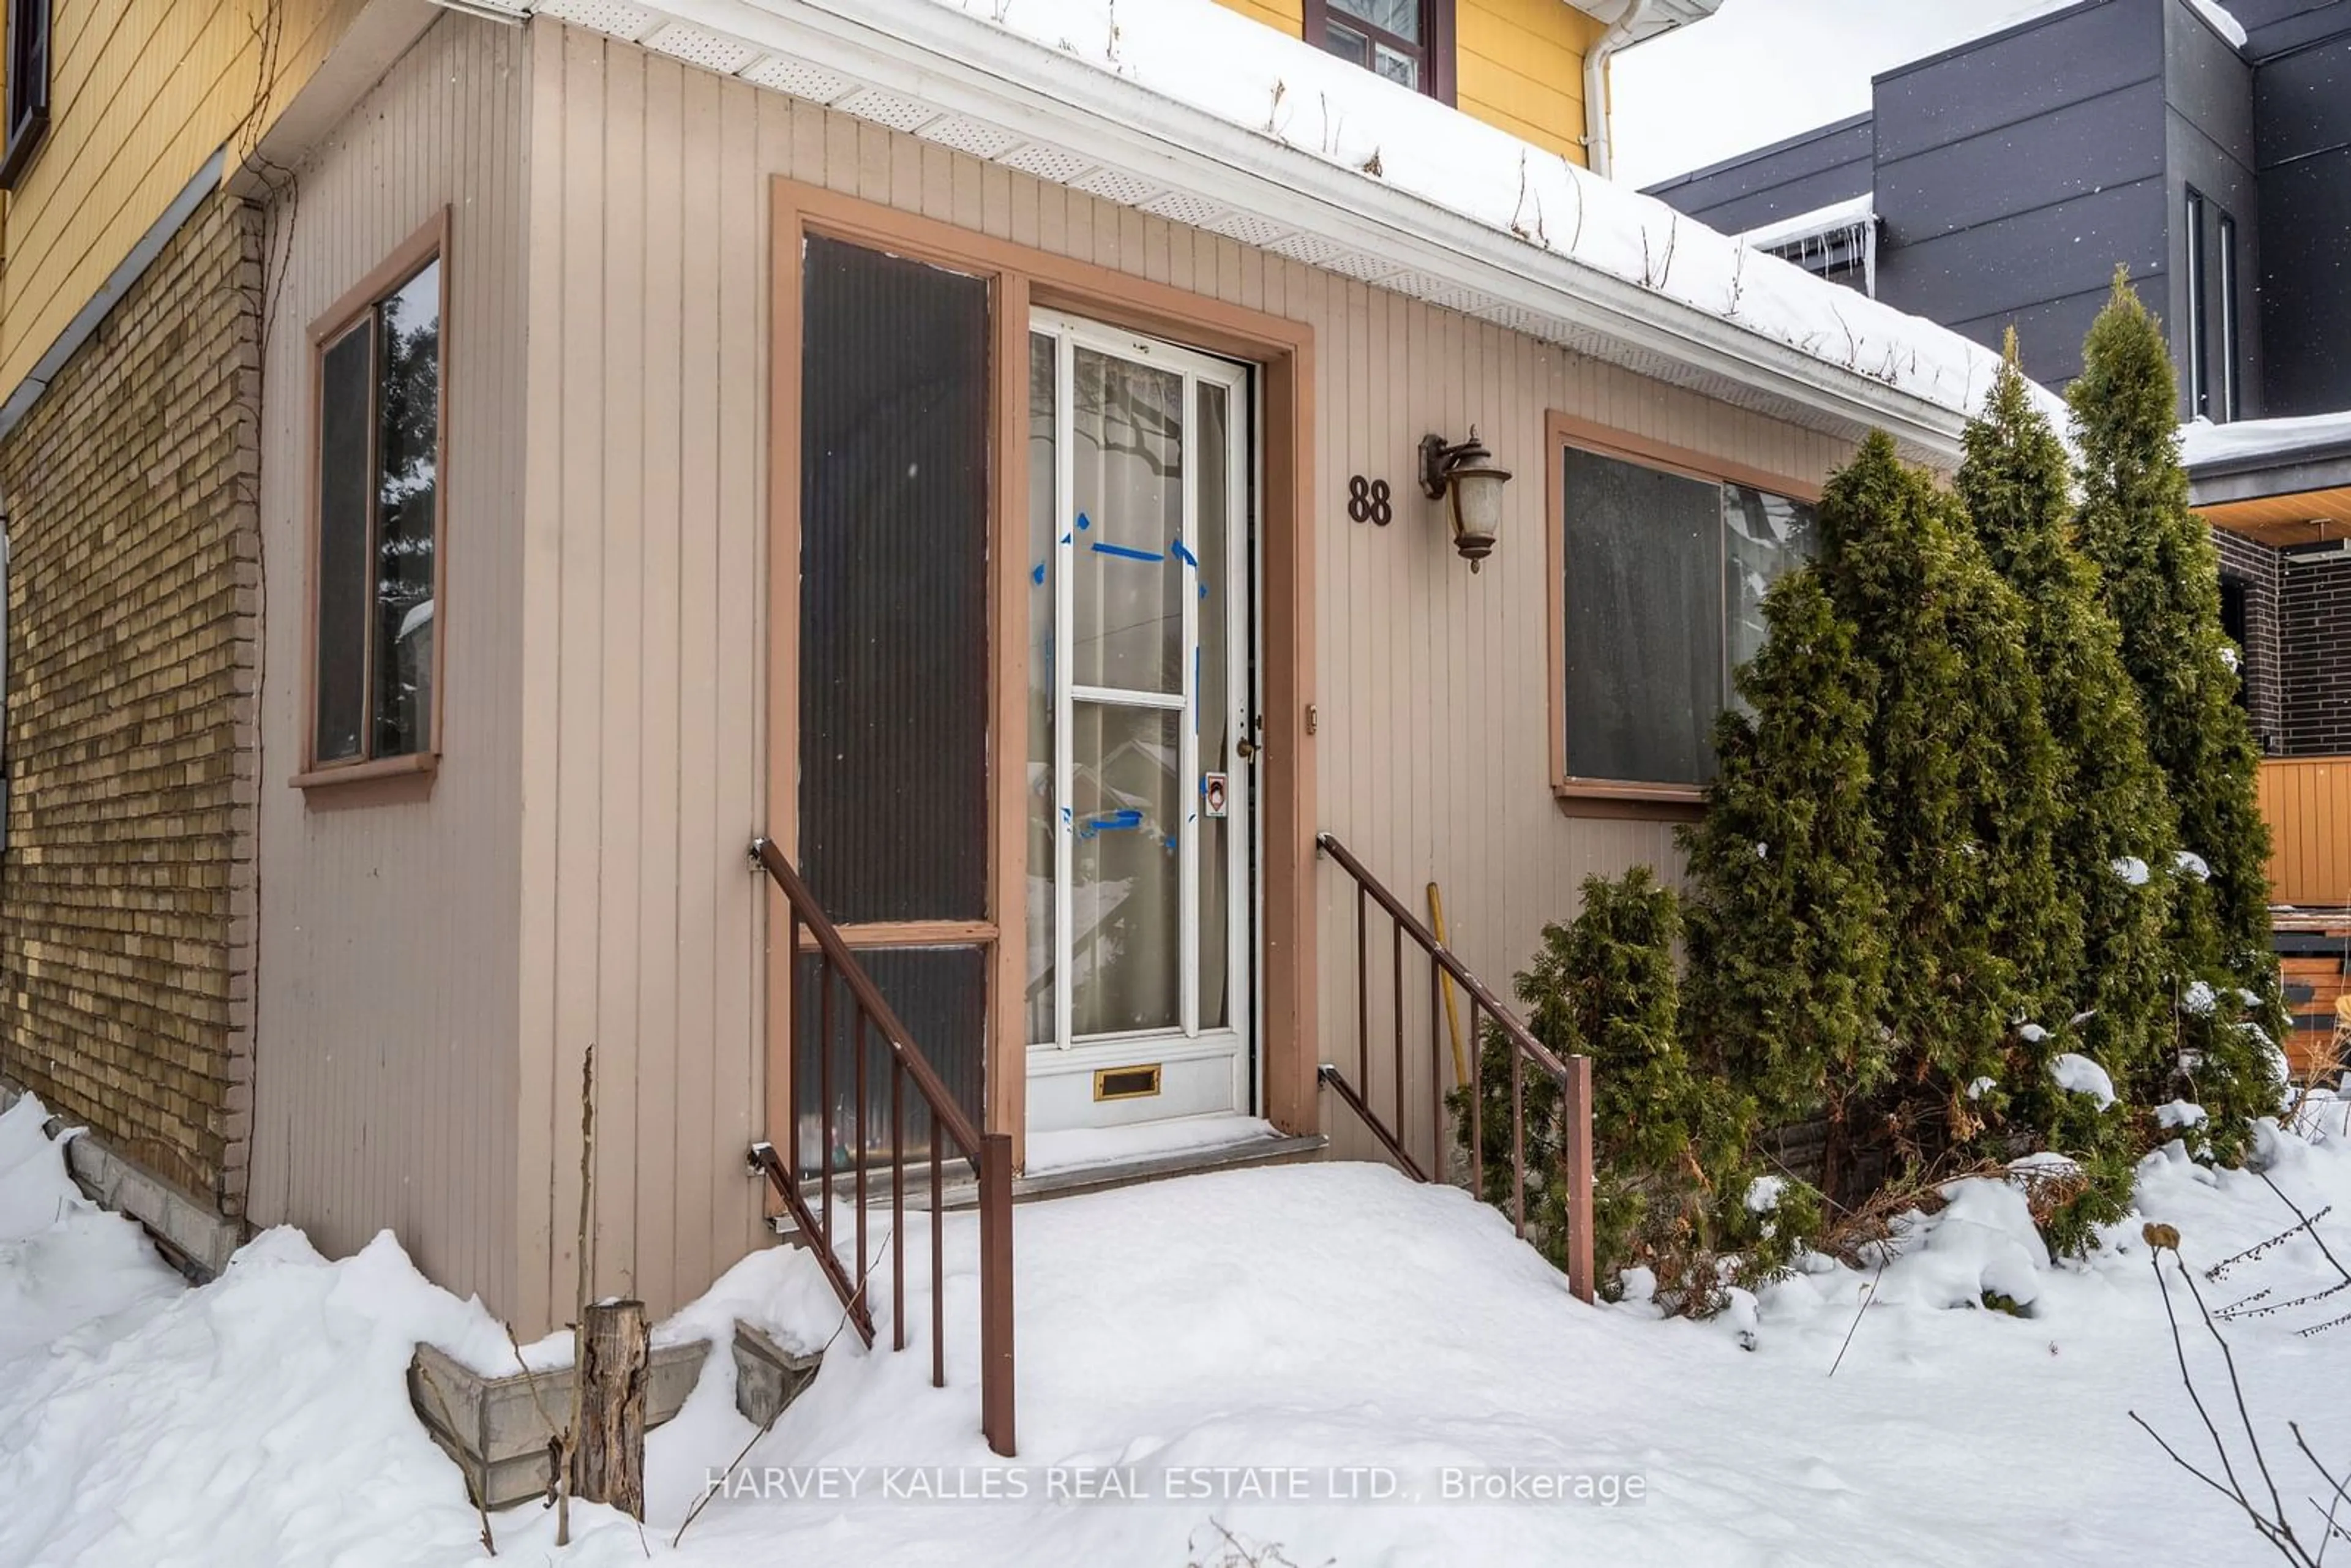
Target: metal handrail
(1573, 1074)
(990, 1154)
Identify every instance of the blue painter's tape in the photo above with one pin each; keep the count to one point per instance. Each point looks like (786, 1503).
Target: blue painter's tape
(1124, 553)
(1084, 522)
(1186, 557)
(1124, 821)
(1065, 538)
(1036, 574)
(1204, 591)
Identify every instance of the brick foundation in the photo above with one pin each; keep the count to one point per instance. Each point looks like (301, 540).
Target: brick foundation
(127, 891)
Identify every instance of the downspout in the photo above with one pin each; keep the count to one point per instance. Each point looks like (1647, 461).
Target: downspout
(1597, 153)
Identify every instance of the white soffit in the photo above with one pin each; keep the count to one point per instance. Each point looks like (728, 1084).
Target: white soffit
(809, 52)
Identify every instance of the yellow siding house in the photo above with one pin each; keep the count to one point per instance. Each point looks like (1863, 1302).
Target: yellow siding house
(1528, 67)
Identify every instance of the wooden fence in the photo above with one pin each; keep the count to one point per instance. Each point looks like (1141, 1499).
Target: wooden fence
(2307, 801)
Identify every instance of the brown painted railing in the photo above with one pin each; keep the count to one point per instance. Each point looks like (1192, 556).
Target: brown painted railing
(990, 1154)
(1573, 1074)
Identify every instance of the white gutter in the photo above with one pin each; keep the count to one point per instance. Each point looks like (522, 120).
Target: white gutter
(961, 63)
(1597, 154)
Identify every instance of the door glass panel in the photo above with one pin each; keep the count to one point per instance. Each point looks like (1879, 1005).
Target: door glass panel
(1038, 1006)
(1213, 700)
(893, 588)
(1126, 879)
(940, 994)
(1127, 441)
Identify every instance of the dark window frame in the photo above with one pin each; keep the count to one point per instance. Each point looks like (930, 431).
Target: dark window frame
(428, 247)
(1436, 51)
(2199, 375)
(27, 97)
(2231, 381)
(1583, 795)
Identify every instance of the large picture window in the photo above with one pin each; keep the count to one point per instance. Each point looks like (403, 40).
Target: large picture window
(1662, 569)
(1410, 42)
(376, 582)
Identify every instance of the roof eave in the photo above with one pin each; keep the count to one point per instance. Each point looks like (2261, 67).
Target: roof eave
(1662, 16)
(965, 64)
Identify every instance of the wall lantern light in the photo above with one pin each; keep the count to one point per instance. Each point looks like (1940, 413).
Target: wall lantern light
(1464, 478)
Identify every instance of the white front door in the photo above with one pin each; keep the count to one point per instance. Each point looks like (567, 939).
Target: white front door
(1139, 900)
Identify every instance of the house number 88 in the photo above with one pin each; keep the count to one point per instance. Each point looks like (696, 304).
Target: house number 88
(1368, 501)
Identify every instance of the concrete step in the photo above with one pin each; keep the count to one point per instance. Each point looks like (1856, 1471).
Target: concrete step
(961, 1189)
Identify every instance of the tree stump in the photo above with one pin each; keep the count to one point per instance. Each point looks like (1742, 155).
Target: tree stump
(609, 1458)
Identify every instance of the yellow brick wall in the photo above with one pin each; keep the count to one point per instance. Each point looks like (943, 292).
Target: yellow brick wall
(1519, 64)
(141, 93)
(127, 889)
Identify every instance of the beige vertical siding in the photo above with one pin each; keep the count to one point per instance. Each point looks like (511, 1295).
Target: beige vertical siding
(643, 698)
(385, 1086)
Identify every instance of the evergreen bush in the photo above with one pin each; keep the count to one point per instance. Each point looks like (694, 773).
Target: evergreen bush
(1787, 916)
(1671, 1169)
(2159, 574)
(2114, 811)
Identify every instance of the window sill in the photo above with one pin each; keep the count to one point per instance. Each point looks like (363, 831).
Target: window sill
(1634, 802)
(382, 768)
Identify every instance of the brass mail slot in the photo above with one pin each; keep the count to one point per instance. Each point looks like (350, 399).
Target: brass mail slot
(1127, 1082)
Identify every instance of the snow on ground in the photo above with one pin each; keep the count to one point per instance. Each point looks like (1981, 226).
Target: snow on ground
(1290, 1319)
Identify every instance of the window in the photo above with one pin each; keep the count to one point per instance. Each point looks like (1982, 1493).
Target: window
(1661, 571)
(1407, 41)
(2236, 623)
(28, 86)
(2228, 399)
(2199, 386)
(375, 675)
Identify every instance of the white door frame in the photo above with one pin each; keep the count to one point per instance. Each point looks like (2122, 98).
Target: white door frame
(1068, 1057)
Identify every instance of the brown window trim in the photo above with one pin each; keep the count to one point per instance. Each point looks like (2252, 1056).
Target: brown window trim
(429, 244)
(1582, 797)
(1283, 349)
(1437, 54)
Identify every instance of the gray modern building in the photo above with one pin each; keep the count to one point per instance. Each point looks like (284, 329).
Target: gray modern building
(2207, 154)
(2000, 184)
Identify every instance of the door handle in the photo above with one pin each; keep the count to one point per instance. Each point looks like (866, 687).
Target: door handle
(1247, 749)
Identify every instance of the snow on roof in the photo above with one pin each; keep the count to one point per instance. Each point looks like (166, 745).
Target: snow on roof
(1291, 94)
(2225, 25)
(2203, 444)
(1836, 216)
